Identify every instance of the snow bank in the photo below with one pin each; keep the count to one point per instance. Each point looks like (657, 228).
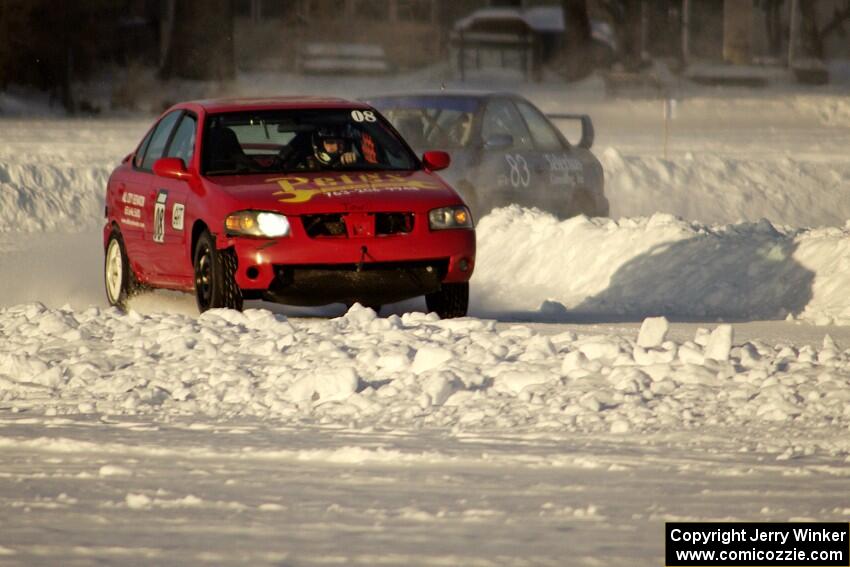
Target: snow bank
(410, 371)
(720, 189)
(27, 103)
(659, 265)
(53, 172)
(40, 197)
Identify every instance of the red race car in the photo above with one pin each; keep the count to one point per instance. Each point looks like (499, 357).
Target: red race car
(304, 201)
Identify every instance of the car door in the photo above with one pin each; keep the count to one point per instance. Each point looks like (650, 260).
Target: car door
(562, 172)
(150, 250)
(130, 199)
(511, 168)
(170, 198)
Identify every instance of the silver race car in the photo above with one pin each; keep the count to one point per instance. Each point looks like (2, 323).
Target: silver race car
(504, 150)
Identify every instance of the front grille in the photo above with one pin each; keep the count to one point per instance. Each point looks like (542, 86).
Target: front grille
(393, 223)
(333, 225)
(328, 225)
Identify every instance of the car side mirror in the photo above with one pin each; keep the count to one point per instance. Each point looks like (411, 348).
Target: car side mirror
(499, 142)
(436, 160)
(170, 167)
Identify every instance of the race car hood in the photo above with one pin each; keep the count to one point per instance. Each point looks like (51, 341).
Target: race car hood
(306, 193)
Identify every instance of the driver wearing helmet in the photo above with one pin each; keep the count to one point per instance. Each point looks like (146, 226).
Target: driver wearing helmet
(329, 149)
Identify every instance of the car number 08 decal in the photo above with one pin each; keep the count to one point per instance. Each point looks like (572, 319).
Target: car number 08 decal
(520, 174)
(159, 216)
(363, 116)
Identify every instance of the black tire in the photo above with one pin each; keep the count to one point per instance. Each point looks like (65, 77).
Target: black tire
(376, 307)
(451, 301)
(590, 205)
(118, 277)
(584, 204)
(215, 276)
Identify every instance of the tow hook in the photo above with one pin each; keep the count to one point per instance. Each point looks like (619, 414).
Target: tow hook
(363, 252)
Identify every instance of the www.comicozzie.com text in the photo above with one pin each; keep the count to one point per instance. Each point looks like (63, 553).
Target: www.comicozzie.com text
(755, 534)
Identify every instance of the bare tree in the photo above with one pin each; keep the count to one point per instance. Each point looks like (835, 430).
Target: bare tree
(50, 45)
(772, 25)
(836, 23)
(578, 47)
(812, 36)
(626, 17)
(200, 43)
(809, 33)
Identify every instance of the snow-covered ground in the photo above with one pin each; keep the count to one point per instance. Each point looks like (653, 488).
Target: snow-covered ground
(363, 440)
(551, 428)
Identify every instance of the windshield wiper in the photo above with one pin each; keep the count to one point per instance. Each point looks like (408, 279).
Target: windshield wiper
(364, 167)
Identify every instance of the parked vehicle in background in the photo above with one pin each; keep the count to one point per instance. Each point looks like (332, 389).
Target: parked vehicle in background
(303, 201)
(504, 150)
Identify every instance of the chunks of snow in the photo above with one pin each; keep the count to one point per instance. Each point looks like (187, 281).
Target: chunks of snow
(691, 354)
(573, 360)
(420, 372)
(719, 343)
(645, 357)
(360, 316)
(114, 470)
(325, 385)
(138, 501)
(393, 362)
(653, 331)
(596, 349)
(439, 387)
(428, 358)
(518, 380)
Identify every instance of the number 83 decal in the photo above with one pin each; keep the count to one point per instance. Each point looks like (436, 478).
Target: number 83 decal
(520, 174)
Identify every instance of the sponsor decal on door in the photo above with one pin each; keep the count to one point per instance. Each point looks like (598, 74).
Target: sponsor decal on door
(177, 213)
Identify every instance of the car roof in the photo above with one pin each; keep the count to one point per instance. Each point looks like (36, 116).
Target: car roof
(445, 94)
(213, 106)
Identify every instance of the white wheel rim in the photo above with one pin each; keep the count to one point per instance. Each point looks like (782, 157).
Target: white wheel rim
(114, 271)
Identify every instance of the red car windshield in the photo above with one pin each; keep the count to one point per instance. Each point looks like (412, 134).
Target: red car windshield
(281, 141)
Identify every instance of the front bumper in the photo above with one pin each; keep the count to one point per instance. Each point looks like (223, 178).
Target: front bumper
(304, 270)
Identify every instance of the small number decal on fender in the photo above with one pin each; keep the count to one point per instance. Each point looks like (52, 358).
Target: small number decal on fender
(159, 216)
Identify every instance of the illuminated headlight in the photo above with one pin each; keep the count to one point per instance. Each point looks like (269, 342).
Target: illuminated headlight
(450, 217)
(257, 223)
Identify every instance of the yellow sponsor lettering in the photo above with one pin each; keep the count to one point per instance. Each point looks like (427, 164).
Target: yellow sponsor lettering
(302, 189)
(288, 184)
(290, 189)
(325, 182)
